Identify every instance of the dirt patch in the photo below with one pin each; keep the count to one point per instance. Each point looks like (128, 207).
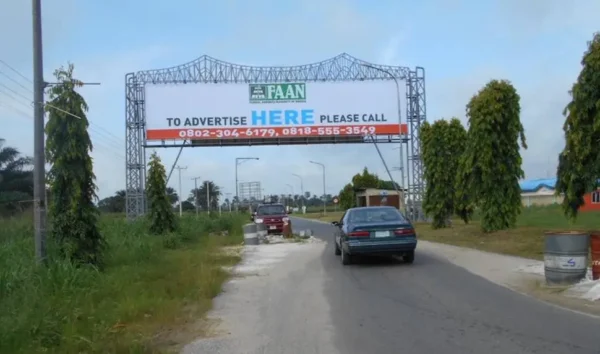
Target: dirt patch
(556, 295)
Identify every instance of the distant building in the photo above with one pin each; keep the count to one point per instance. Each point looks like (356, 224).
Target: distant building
(541, 192)
(378, 197)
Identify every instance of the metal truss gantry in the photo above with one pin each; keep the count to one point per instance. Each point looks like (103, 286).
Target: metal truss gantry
(250, 192)
(208, 70)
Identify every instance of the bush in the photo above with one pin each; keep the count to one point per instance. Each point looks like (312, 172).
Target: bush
(146, 284)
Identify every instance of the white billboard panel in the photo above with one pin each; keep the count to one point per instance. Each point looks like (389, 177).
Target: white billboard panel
(247, 111)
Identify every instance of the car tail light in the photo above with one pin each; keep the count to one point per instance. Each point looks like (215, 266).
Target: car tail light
(404, 232)
(359, 234)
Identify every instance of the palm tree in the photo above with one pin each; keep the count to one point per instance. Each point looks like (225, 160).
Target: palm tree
(214, 193)
(173, 197)
(16, 178)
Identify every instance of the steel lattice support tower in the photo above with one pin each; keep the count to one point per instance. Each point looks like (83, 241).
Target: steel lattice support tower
(208, 70)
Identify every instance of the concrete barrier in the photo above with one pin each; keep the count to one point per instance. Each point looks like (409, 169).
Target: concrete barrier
(261, 230)
(250, 234)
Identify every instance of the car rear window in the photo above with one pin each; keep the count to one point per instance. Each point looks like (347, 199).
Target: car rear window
(375, 215)
(270, 210)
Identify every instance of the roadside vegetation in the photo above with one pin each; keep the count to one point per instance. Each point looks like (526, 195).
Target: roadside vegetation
(479, 205)
(104, 284)
(150, 285)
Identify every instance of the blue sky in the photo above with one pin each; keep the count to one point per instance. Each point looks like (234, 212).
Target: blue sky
(536, 44)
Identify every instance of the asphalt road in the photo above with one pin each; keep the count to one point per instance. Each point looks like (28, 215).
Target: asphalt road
(433, 306)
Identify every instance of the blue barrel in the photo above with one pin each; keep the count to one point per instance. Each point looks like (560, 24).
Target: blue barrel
(565, 257)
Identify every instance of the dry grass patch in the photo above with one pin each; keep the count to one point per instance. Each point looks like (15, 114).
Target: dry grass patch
(526, 240)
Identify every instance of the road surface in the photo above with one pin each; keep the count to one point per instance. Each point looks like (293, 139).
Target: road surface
(312, 304)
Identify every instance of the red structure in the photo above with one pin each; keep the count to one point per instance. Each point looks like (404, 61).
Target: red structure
(592, 201)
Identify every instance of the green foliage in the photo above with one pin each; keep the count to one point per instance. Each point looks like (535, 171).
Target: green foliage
(204, 199)
(365, 180)
(579, 162)
(16, 180)
(113, 204)
(143, 291)
(71, 177)
(442, 145)
(462, 198)
(162, 218)
(492, 158)
(347, 197)
(360, 180)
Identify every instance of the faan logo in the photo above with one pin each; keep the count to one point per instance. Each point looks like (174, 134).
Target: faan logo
(277, 93)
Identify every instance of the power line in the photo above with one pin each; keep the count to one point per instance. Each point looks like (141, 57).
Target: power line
(15, 70)
(27, 99)
(15, 81)
(99, 143)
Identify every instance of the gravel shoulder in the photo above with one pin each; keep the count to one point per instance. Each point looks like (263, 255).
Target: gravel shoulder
(274, 304)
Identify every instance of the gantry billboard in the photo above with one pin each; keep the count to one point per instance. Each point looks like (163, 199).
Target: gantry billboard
(223, 111)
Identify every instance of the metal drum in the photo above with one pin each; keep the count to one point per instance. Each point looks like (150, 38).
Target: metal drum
(565, 257)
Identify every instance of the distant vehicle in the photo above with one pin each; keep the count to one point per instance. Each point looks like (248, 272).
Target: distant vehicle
(381, 231)
(274, 216)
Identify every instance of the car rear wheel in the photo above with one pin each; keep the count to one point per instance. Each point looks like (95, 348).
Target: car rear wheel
(337, 249)
(346, 258)
(409, 257)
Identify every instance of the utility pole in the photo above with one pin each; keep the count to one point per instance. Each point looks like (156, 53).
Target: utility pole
(207, 198)
(39, 157)
(301, 187)
(324, 194)
(228, 195)
(196, 193)
(179, 168)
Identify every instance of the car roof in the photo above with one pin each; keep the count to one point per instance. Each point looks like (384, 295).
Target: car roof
(373, 207)
(268, 204)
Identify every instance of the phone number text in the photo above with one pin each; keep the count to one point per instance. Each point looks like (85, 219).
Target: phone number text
(276, 132)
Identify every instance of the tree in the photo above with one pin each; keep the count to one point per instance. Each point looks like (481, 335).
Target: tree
(579, 162)
(172, 194)
(442, 145)
(492, 161)
(72, 212)
(389, 185)
(162, 218)
(347, 197)
(113, 204)
(360, 180)
(200, 195)
(16, 180)
(365, 180)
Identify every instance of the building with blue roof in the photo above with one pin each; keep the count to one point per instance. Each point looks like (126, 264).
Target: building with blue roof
(541, 191)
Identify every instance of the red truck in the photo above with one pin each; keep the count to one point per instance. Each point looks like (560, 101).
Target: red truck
(274, 216)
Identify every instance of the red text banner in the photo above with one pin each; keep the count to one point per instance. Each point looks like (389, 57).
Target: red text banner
(276, 132)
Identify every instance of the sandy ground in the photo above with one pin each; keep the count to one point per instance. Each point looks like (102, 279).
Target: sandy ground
(520, 274)
(262, 288)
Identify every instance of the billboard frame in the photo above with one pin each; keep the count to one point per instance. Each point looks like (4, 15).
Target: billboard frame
(207, 70)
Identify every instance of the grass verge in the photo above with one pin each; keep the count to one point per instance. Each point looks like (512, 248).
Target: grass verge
(526, 240)
(152, 288)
